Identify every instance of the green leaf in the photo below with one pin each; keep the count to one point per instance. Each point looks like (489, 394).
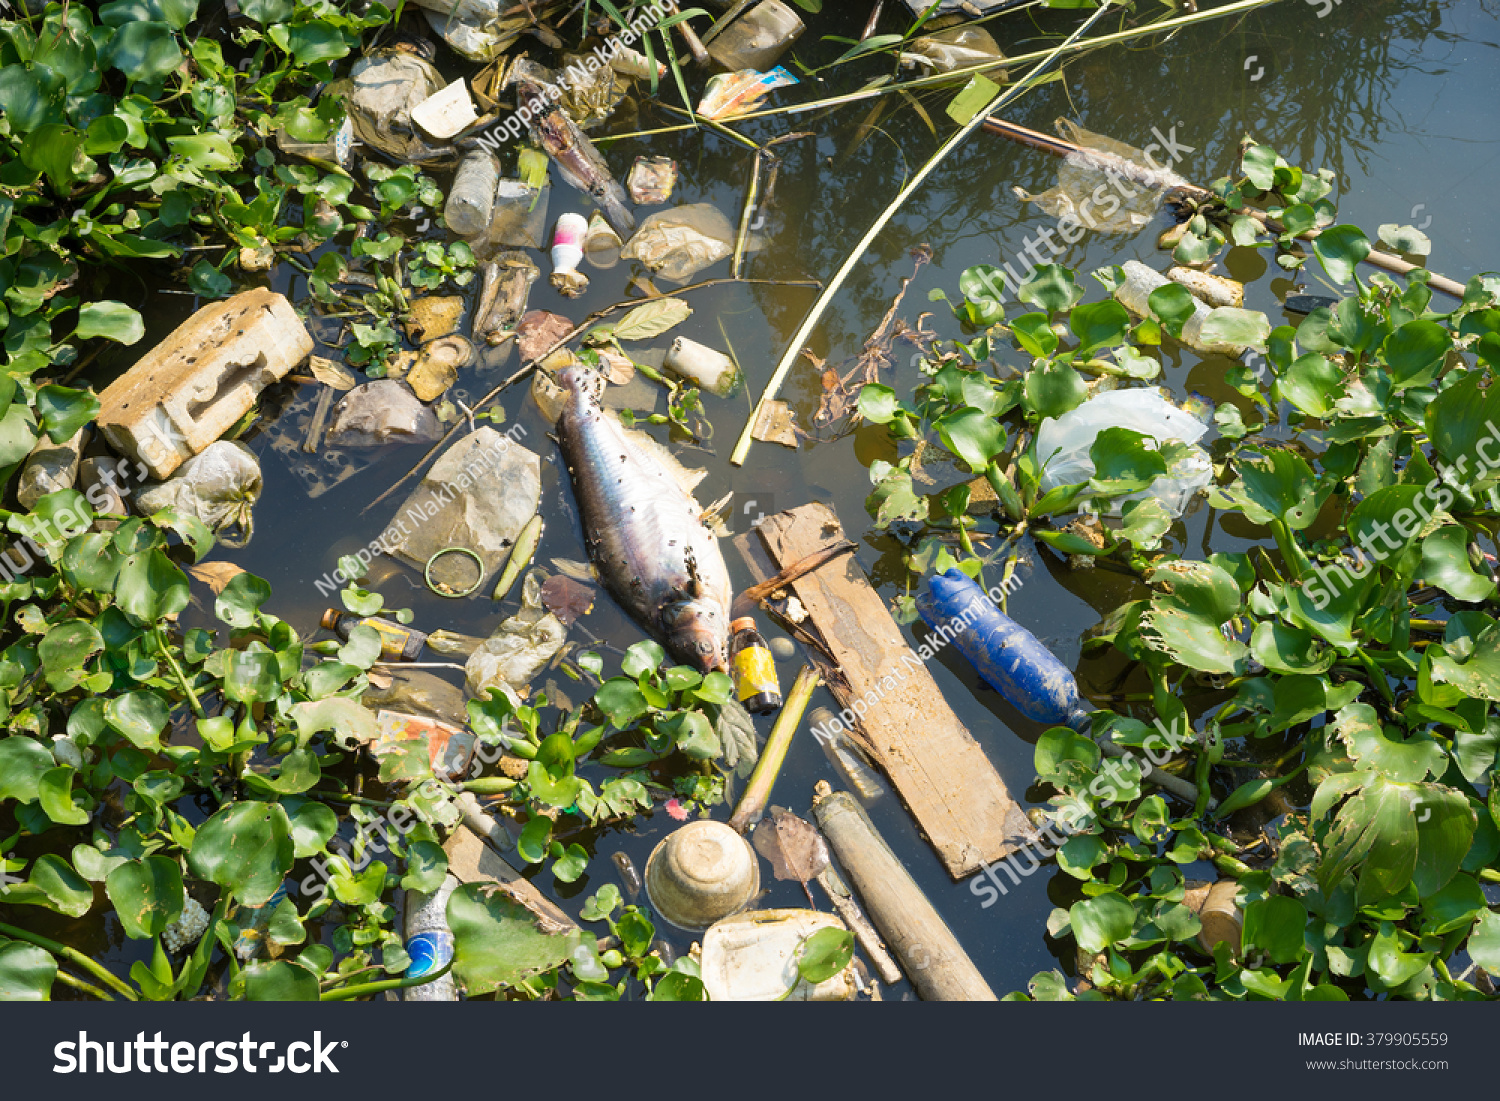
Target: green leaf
(140, 715)
(532, 845)
(65, 411)
(313, 826)
(55, 150)
(976, 95)
(1099, 324)
(1173, 306)
(1124, 462)
(1101, 922)
(241, 599)
(26, 973)
(150, 587)
(1311, 384)
(111, 320)
(144, 52)
(824, 954)
(252, 676)
(1415, 351)
(973, 436)
(1359, 728)
(1033, 333)
(361, 888)
(55, 792)
(426, 867)
(66, 891)
(652, 319)
(1388, 963)
(147, 895)
(1445, 563)
(1054, 388)
(1276, 925)
(1052, 288)
(279, 981)
(1484, 941)
(245, 848)
(497, 941)
(1454, 907)
(1459, 418)
(1341, 249)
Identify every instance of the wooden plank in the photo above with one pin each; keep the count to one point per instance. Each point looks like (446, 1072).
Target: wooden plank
(943, 776)
(473, 861)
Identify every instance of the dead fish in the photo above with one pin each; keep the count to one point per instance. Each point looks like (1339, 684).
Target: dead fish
(578, 162)
(644, 532)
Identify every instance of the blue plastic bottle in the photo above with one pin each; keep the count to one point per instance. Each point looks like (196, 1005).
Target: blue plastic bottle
(1007, 655)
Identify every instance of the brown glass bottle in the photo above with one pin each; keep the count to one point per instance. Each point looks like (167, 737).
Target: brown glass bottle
(397, 643)
(753, 668)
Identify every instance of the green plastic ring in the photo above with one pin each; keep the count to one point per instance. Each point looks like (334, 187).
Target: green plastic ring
(427, 571)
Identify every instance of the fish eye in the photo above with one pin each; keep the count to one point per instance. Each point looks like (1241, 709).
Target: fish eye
(705, 647)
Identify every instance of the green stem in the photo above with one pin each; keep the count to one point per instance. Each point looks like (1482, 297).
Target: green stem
(99, 971)
(1291, 554)
(78, 984)
(1377, 676)
(1005, 491)
(347, 993)
(165, 651)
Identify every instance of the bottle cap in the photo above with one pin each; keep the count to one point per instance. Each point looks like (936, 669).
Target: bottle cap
(744, 623)
(330, 619)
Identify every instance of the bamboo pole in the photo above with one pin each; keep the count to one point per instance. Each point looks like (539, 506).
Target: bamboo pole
(810, 322)
(758, 790)
(1060, 147)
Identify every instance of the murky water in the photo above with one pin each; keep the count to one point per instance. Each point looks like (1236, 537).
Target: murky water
(1394, 95)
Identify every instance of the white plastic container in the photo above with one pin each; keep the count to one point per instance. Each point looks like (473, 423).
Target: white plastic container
(567, 252)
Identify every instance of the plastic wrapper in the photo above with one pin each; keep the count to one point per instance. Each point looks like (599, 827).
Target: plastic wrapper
(1063, 443)
(651, 180)
(380, 93)
(590, 97)
(1132, 189)
(50, 467)
(519, 649)
(678, 243)
(418, 692)
(378, 413)
(954, 48)
(219, 486)
(503, 296)
(481, 30)
(730, 94)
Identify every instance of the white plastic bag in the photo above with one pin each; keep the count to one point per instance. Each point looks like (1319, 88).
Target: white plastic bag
(219, 486)
(1063, 443)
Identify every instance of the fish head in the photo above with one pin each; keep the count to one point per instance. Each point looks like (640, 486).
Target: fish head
(582, 381)
(697, 633)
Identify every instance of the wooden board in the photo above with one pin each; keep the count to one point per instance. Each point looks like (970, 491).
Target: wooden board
(943, 776)
(472, 861)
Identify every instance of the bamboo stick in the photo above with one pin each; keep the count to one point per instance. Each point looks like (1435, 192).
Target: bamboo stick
(758, 790)
(810, 322)
(1060, 147)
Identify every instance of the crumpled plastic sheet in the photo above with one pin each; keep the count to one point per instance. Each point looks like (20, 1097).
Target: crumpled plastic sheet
(676, 244)
(380, 92)
(1063, 443)
(219, 486)
(1129, 184)
(519, 649)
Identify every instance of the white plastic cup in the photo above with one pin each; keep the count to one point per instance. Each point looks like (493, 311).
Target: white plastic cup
(567, 243)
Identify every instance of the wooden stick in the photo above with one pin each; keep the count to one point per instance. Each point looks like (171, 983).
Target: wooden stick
(843, 901)
(1059, 147)
(763, 779)
(751, 597)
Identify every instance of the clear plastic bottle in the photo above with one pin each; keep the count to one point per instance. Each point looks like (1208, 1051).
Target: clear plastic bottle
(753, 668)
(471, 202)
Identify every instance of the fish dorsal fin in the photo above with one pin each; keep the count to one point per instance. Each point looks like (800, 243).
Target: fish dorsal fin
(686, 477)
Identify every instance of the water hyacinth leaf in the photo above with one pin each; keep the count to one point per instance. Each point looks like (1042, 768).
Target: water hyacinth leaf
(1278, 485)
(1474, 752)
(426, 866)
(92, 864)
(1298, 698)
(1285, 649)
(351, 724)
(1172, 305)
(894, 496)
(1228, 325)
(144, 52)
(1099, 324)
(313, 826)
(1341, 249)
(147, 895)
(1034, 334)
(1454, 907)
(1415, 351)
(309, 43)
(1054, 388)
(1459, 418)
(64, 410)
(973, 436)
(279, 981)
(293, 774)
(91, 561)
(240, 598)
(26, 973)
(1406, 239)
(1203, 588)
(58, 887)
(246, 848)
(1311, 384)
(150, 587)
(1478, 674)
(17, 433)
(1446, 824)
(532, 845)
(1146, 521)
(652, 319)
(1246, 795)
(55, 793)
(1124, 462)
(251, 676)
(140, 716)
(1387, 962)
(1328, 610)
(824, 954)
(497, 942)
(1101, 922)
(642, 658)
(360, 888)
(65, 648)
(1484, 941)
(1276, 925)
(1375, 823)
(111, 320)
(1052, 288)
(877, 403)
(695, 736)
(1445, 564)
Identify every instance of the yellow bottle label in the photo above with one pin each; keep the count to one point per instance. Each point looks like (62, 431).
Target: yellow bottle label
(754, 672)
(392, 638)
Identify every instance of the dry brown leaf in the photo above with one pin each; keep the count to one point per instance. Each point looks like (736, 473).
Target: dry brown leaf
(331, 374)
(775, 424)
(567, 599)
(538, 331)
(795, 848)
(215, 574)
